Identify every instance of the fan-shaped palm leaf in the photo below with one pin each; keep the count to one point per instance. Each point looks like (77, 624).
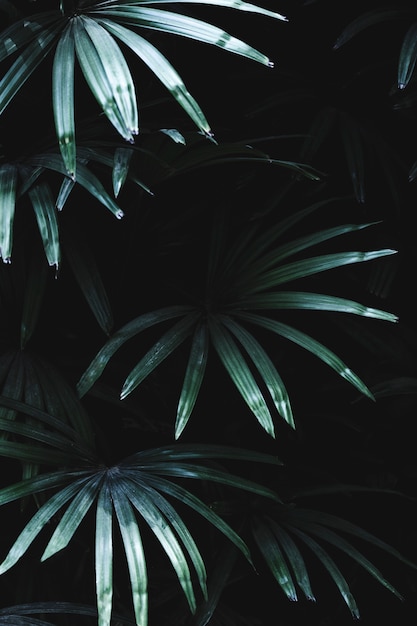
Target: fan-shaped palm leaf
(89, 34)
(281, 535)
(243, 278)
(137, 487)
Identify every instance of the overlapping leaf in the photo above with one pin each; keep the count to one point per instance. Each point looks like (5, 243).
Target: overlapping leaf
(135, 492)
(244, 278)
(283, 535)
(89, 35)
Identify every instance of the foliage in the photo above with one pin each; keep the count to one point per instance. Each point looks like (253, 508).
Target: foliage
(210, 398)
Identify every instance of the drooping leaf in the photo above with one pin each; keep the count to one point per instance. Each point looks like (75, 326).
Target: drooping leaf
(104, 555)
(63, 98)
(265, 367)
(332, 569)
(135, 555)
(107, 74)
(44, 207)
(8, 189)
(122, 158)
(159, 351)
(274, 557)
(313, 346)
(162, 69)
(239, 372)
(408, 57)
(96, 367)
(193, 379)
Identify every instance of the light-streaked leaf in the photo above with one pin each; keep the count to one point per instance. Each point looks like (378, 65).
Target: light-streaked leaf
(333, 570)
(161, 528)
(313, 346)
(193, 379)
(136, 326)
(184, 535)
(265, 367)
(25, 65)
(183, 495)
(240, 5)
(185, 26)
(44, 207)
(159, 352)
(274, 557)
(42, 517)
(8, 189)
(313, 265)
(313, 302)
(107, 74)
(104, 556)
(350, 550)
(162, 69)
(239, 372)
(135, 555)
(408, 57)
(85, 178)
(122, 158)
(73, 516)
(63, 98)
(294, 557)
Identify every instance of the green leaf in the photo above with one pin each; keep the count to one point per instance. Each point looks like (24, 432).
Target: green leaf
(294, 557)
(25, 65)
(313, 346)
(43, 515)
(308, 267)
(182, 495)
(312, 302)
(239, 372)
(350, 550)
(265, 367)
(185, 26)
(122, 158)
(104, 556)
(162, 69)
(44, 207)
(8, 185)
(63, 98)
(193, 379)
(345, 526)
(73, 516)
(408, 57)
(161, 527)
(96, 367)
(273, 555)
(240, 5)
(84, 177)
(159, 351)
(132, 542)
(333, 570)
(107, 74)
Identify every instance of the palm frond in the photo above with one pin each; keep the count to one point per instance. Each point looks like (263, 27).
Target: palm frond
(135, 488)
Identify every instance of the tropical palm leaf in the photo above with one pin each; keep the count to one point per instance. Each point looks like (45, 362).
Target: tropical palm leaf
(244, 278)
(89, 34)
(135, 488)
(282, 534)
